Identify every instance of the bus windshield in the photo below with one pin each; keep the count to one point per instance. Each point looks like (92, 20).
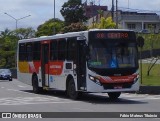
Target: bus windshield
(109, 55)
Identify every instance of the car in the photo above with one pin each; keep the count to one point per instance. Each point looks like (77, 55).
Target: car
(144, 31)
(5, 74)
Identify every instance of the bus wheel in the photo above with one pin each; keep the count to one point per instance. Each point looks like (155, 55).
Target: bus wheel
(36, 89)
(114, 95)
(71, 90)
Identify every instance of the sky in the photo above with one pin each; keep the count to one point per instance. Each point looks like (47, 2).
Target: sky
(43, 10)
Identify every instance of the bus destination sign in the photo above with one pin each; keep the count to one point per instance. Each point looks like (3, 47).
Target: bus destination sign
(112, 35)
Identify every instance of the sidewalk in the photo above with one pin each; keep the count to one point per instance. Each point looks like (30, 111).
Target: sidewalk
(150, 60)
(149, 90)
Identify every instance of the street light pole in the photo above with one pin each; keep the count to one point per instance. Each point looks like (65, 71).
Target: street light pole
(17, 19)
(112, 10)
(54, 30)
(16, 27)
(116, 14)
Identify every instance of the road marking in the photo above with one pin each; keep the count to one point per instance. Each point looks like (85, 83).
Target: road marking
(140, 96)
(13, 90)
(148, 98)
(21, 86)
(32, 100)
(20, 91)
(133, 96)
(81, 109)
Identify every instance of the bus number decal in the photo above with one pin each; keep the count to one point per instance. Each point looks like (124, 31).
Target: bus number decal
(56, 68)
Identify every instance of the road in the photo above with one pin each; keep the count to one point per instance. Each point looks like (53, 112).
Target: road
(18, 97)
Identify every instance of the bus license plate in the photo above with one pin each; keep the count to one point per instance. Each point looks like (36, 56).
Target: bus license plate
(118, 87)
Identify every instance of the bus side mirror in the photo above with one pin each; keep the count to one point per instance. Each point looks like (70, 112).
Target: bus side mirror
(140, 41)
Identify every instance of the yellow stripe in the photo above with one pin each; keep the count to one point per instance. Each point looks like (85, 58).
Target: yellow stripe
(23, 67)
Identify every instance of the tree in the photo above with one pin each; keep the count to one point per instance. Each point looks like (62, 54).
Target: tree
(74, 27)
(8, 45)
(105, 23)
(73, 12)
(24, 33)
(5, 33)
(152, 39)
(7, 40)
(47, 28)
(152, 64)
(100, 12)
(7, 50)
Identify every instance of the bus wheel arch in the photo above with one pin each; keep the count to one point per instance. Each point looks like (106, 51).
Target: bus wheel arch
(33, 76)
(71, 88)
(36, 88)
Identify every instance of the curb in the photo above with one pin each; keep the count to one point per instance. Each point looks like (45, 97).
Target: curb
(149, 90)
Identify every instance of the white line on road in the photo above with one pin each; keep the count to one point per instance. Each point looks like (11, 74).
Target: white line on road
(148, 98)
(33, 103)
(81, 109)
(32, 100)
(18, 91)
(21, 86)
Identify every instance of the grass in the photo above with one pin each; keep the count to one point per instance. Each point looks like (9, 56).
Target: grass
(149, 40)
(154, 78)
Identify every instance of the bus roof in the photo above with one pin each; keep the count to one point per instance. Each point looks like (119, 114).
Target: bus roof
(69, 34)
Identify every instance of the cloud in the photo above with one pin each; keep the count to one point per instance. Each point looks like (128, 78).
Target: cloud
(42, 10)
(140, 4)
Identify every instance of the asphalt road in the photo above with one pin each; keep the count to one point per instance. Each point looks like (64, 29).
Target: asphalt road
(18, 97)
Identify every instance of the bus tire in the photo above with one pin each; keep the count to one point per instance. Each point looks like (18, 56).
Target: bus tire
(36, 88)
(114, 95)
(71, 90)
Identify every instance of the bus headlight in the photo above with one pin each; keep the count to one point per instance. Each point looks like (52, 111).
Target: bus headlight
(136, 79)
(94, 79)
(91, 78)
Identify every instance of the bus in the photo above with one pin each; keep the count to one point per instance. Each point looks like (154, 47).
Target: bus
(93, 61)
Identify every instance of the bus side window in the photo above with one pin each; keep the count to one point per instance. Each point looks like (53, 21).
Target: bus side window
(62, 49)
(36, 51)
(29, 51)
(22, 52)
(71, 51)
(54, 50)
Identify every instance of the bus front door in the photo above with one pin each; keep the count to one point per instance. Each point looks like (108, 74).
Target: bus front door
(81, 65)
(45, 65)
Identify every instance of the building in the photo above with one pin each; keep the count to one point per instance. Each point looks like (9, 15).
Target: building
(96, 18)
(91, 9)
(132, 20)
(139, 21)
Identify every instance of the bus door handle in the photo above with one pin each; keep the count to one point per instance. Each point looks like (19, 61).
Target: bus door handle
(74, 72)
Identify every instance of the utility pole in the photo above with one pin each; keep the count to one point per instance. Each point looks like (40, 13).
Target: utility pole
(116, 14)
(112, 10)
(54, 29)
